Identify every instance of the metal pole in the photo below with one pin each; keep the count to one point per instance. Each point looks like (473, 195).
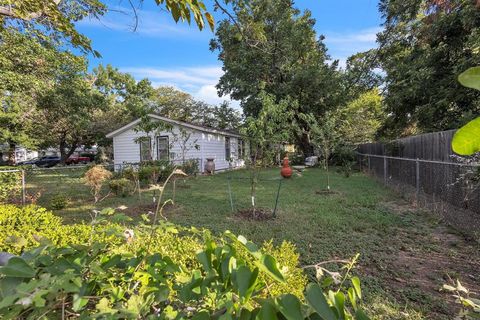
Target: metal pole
(368, 157)
(230, 194)
(417, 178)
(276, 200)
(23, 187)
(385, 170)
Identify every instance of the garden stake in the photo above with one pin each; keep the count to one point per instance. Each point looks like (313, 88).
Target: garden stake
(230, 194)
(276, 200)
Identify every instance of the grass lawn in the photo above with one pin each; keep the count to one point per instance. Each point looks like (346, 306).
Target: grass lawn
(406, 254)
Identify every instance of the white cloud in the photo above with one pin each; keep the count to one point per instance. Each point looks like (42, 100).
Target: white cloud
(342, 45)
(198, 81)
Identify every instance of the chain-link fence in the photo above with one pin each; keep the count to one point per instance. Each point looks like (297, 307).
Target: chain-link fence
(448, 188)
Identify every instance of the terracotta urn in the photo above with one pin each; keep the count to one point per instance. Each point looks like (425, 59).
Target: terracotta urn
(286, 171)
(210, 166)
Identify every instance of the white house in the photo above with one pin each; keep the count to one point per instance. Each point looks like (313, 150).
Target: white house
(177, 142)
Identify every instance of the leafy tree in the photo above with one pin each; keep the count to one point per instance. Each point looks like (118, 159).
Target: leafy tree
(425, 44)
(226, 117)
(68, 111)
(359, 121)
(267, 132)
(270, 46)
(56, 18)
(324, 136)
(28, 69)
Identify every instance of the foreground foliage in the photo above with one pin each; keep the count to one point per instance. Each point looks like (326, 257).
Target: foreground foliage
(176, 273)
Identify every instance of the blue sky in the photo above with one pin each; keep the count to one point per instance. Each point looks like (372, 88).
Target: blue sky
(178, 54)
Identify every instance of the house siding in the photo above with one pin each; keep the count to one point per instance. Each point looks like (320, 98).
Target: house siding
(200, 145)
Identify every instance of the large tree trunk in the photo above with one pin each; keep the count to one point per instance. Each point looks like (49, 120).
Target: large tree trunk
(66, 152)
(304, 144)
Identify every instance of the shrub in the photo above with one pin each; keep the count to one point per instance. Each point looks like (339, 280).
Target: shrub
(58, 202)
(10, 184)
(95, 178)
(153, 172)
(25, 227)
(345, 157)
(190, 167)
(121, 187)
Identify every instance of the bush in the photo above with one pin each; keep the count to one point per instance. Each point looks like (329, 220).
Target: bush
(121, 187)
(25, 227)
(153, 172)
(165, 272)
(10, 184)
(190, 167)
(345, 157)
(58, 202)
(95, 178)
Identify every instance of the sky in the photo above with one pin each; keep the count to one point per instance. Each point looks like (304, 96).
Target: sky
(178, 54)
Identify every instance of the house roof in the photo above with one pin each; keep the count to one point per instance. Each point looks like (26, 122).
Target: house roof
(179, 123)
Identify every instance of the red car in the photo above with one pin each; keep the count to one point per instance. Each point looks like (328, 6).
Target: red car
(77, 160)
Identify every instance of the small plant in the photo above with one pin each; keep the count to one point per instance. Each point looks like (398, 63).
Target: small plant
(95, 178)
(59, 202)
(470, 306)
(121, 187)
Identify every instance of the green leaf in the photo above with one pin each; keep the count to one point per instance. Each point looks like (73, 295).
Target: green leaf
(470, 78)
(268, 312)
(290, 307)
(340, 304)
(317, 301)
(353, 297)
(466, 140)
(360, 315)
(17, 268)
(246, 280)
(269, 265)
(356, 285)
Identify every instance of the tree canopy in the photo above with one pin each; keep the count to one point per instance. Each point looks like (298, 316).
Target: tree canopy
(426, 44)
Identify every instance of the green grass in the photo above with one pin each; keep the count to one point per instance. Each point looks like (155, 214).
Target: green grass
(406, 254)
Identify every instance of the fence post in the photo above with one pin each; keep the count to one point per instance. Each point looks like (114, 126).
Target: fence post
(368, 157)
(23, 187)
(417, 178)
(384, 170)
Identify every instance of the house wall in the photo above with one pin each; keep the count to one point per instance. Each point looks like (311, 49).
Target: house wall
(126, 149)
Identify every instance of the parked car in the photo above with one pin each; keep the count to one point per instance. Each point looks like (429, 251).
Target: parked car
(27, 162)
(47, 162)
(77, 160)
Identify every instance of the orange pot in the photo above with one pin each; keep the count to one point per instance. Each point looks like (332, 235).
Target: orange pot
(286, 171)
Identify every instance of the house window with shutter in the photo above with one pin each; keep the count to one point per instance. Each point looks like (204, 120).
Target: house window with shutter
(145, 148)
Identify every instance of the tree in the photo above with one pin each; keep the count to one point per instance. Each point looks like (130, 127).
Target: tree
(270, 46)
(425, 45)
(267, 132)
(359, 121)
(56, 18)
(28, 69)
(226, 117)
(68, 112)
(324, 136)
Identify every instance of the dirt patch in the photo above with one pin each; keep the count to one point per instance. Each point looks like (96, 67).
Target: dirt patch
(259, 214)
(424, 256)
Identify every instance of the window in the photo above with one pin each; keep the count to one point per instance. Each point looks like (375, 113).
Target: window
(227, 148)
(241, 149)
(145, 148)
(162, 148)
